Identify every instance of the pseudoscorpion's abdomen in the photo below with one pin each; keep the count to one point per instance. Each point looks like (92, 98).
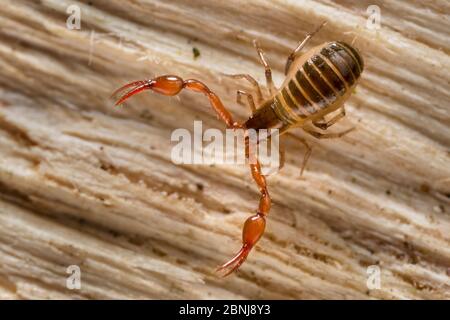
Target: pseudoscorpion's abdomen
(319, 83)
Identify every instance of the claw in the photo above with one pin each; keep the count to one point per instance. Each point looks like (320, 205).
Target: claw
(128, 85)
(137, 86)
(253, 230)
(232, 265)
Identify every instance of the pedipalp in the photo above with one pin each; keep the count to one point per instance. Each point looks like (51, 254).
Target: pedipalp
(170, 85)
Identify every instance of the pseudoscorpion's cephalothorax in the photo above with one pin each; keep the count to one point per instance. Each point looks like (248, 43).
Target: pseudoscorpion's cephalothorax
(317, 83)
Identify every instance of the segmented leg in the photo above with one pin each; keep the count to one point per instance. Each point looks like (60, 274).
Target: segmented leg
(300, 46)
(325, 125)
(170, 85)
(320, 135)
(250, 101)
(307, 153)
(282, 157)
(268, 71)
(253, 82)
(254, 226)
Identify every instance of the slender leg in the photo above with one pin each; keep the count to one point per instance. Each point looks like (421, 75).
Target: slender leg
(250, 100)
(282, 157)
(253, 82)
(320, 135)
(268, 71)
(325, 125)
(307, 153)
(254, 226)
(171, 85)
(300, 46)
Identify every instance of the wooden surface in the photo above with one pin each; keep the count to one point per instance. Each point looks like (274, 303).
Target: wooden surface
(86, 184)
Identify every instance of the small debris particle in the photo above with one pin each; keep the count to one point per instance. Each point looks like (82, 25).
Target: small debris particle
(200, 186)
(439, 209)
(180, 261)
(114, 233)
(411, 252)
(137, 240)
(196, 52)
(425, 188)
(146, 115)
(388, 192)
(159, 252)
(192, 40)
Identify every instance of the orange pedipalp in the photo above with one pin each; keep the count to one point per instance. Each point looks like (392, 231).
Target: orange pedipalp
(170, 85)
(253, 229)
(132, 92)
(234, 263)
(128, 85)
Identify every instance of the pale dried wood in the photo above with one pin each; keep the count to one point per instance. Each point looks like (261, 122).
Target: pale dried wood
(87, 184)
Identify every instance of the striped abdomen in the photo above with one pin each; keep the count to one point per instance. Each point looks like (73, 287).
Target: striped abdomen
(317, 84)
